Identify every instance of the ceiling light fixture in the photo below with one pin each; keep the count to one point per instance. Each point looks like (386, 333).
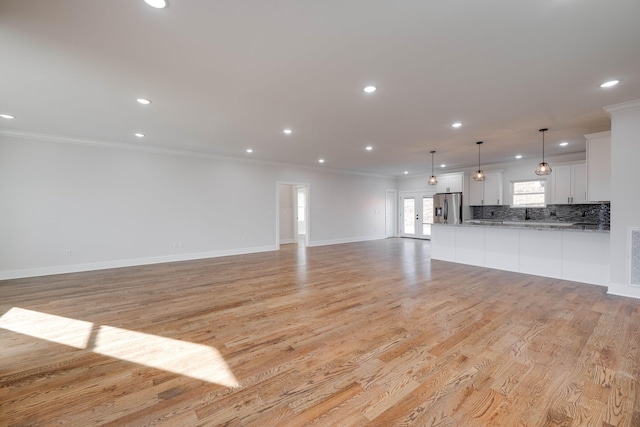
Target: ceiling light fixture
(543, 168)
(320, 160)
(249, 150)
(370, 89)
(406, 172)
(158, 4)
(564, 144)
(7, 116)
(443, 165)
(456, 125)
(288, 131)
(479, 174)
(610, 83)
(368, 148)
(432, 180)
(139, 135)
(143, 101)
(519, 156)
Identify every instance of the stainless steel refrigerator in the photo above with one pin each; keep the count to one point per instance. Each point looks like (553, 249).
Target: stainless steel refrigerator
(447, 208)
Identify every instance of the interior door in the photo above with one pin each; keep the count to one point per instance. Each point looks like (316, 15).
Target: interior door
(416, 215)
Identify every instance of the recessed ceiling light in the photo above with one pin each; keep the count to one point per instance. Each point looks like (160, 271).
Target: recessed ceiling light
(288, 131)
(610, 83)
(456, 125)
(443, 165)
(320, 160)
(519, 156)
(249, 150)
(158, 4)
(370, 89)
(7, 116)
(406, 172)
(368, 148)
(143, 101)
(564, 144)
(139, 135)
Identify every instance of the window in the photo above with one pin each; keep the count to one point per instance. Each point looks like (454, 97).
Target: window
(529, 194)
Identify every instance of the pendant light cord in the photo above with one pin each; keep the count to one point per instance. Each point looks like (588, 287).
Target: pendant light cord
(543, 131)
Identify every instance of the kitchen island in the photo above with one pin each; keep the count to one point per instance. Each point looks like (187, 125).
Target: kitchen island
(569, 251)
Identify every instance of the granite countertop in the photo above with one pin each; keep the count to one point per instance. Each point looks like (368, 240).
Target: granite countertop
(534, 225)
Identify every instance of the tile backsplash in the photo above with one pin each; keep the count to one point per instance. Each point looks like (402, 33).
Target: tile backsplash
(590, 213)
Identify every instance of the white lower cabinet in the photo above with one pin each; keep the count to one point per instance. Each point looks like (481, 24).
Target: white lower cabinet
(443, 243)
(541, 253)
(569, 255)
(585, 257)
(502, 249)
(470, 246)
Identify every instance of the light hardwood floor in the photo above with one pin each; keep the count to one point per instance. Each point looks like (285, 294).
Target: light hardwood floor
(371, 333)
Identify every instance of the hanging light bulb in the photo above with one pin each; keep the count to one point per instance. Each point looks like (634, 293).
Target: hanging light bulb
(543, 168)
(432, 180)
(479, 174)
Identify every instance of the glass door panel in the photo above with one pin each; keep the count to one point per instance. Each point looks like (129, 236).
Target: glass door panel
(427, 215)
(409, 214)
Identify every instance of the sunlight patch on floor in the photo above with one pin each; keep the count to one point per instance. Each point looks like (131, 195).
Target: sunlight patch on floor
(49, 327)
(197, 361)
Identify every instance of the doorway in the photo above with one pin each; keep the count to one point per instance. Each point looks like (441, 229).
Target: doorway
(416, 214)
(300, 206)
(292, 221)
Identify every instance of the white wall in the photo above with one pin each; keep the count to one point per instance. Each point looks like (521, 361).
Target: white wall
(115, 207)
(287, 213)
(625, 192)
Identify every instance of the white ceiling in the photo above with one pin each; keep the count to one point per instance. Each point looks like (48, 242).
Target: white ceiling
(227, 75)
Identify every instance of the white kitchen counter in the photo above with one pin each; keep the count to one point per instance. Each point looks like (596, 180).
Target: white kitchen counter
(551, 252)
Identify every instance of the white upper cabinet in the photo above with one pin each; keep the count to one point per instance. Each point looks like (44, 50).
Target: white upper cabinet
(487, 192)
(569, 184)
(599, 166)
(450, 183)
(493, 188)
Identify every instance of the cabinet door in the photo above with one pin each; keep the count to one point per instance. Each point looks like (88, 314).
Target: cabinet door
(599, 167)
(455, 183)
(476, 192)
(561, 184)
(443, 184)
(493, 189)
(579, 183)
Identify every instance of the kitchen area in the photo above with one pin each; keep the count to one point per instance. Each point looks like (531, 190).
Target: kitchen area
(555, 225)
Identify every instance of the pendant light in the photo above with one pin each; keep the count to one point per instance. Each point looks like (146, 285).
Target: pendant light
(543, 168)
(432, 180)
(479, 174)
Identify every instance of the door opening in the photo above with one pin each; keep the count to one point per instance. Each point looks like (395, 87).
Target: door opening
(416, 214)
(292, 222)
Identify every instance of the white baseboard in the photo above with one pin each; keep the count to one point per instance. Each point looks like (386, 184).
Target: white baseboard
(624, 290)
(348, 240)
(286, 241)
(102, 265)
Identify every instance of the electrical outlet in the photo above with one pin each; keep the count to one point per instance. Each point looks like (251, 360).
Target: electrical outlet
(177, 245)
(244, 239)
(67, 252)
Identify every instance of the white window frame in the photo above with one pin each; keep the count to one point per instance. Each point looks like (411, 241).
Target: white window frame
(512, 192)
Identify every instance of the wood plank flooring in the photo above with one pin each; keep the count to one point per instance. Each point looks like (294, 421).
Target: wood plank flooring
(371, 333)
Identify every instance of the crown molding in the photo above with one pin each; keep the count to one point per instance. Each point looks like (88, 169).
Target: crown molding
(624, 106)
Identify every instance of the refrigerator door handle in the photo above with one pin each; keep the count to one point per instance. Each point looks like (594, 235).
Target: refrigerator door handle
(446, 210)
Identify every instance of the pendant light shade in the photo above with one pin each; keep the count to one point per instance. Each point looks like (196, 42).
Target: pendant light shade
(543, 168)
(432, 180)
(479, 174)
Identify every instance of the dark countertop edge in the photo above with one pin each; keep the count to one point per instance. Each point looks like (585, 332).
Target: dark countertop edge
(578, 229)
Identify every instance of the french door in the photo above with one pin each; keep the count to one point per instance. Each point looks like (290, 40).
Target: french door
(416, 214)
